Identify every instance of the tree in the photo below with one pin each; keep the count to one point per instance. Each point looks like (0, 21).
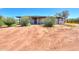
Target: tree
(9, 21)
(64, 14)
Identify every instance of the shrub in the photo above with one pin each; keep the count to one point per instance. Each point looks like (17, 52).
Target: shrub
(9, 21)
(73, 20)
(49, 22)
(1, 21)
(24, 22)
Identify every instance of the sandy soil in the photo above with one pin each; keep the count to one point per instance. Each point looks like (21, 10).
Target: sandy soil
(36, 38)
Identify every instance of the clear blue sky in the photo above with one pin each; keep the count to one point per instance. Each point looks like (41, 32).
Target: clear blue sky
(74, 12)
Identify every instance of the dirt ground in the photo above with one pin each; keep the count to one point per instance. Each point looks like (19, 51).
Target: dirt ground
(38, 38)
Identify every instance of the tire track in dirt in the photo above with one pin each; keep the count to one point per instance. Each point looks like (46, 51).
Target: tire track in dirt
(12, 37)
(25, 42)
(19, 41)
(7, 32)
(40, 38)
(5, 37)
(36, 42)
(7, 40)
(64, 39)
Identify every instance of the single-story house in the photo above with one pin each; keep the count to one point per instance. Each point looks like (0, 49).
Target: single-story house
(38, 19)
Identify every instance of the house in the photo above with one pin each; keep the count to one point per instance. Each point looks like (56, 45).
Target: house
(38, 19)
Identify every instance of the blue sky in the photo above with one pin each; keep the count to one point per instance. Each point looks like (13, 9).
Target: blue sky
(12, 12)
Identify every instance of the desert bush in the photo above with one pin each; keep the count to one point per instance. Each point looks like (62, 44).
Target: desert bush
(9, 21)
(1, 21)
(49, 22)
(73, 20)
(24, 21)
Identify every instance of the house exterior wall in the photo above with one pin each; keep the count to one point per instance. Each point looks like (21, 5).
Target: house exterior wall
(39, 20)
(60, 21)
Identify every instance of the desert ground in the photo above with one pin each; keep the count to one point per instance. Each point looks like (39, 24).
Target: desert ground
(38, 38)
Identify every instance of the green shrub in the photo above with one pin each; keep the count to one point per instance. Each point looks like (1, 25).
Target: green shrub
(73, 20)
(1, 23)
(24, 22)
(49, 22)
(9, 21)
